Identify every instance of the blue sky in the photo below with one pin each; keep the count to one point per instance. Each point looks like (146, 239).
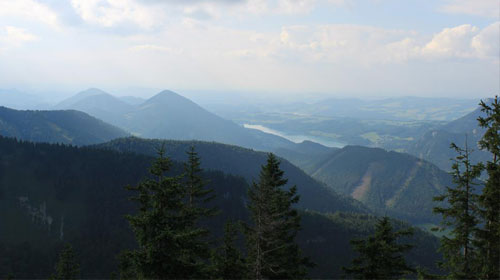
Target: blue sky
(281, 47)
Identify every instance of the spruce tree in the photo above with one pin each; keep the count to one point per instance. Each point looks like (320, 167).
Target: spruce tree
(227, 260)
(380, 255)
(460, 216)
(195, 211)
(67, 267)
(489, 235)
(272, 250)
(163, 229)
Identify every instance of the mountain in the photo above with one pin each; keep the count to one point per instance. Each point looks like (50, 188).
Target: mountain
(99, 104)
(245, 163)
(434, 145)
(132, 100)
(168, 115)
(396, 184)
(77, 195)
(16, 99)
(68, 127)
(304, 154)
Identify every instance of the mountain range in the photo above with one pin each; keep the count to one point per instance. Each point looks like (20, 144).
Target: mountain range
(54, 194)
(434, 145)
(67, 127)
(168, 115)
(245, 163)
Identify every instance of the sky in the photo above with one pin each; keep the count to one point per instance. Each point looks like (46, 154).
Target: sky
(447, 48)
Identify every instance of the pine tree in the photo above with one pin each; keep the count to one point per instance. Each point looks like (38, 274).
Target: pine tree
(272, 251)
(489, 235)
(159, 227)
(195, 210)
(67, 267)
(380, 256)
(461, 216)
(227, 260)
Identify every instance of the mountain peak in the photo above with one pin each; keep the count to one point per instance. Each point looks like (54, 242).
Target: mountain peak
(169, 96)
(91, 92)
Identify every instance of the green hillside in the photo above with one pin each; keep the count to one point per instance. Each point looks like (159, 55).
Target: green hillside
(391, 183)
(51, 194)
(246, 163)
(67, 127)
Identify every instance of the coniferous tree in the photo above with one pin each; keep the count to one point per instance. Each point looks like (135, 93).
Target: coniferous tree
(380, 256)
(489, 235)
(196, 195)
(272, 250)
(227, 260)
(163, 229)
(67, 267)
(460, 215)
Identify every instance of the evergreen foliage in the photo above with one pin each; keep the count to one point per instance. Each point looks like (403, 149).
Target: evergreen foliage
(489, 235)
(227, 260)
(85, 185)
(460, 216)
(170, 243)
(67, 267)
(272, 251)
(195, 210)
(380, 256)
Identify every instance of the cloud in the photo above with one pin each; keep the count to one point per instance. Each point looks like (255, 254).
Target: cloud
(367, 45)
(30, 10)
(109, 13)
(156, 48)
(14, 37)
(486, 43)
(295, 6)
(483, 8)
(452, 42)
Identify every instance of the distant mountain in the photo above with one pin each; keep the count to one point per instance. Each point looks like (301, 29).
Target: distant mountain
(242, 162)
(396, 184)
(304, 154)
(132, 100)
(168, 115)
(77, 196)
(99, 104)
(19, 100)
(68, 127)
(434, 145)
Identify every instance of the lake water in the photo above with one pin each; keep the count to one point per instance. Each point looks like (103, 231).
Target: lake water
(296, 138)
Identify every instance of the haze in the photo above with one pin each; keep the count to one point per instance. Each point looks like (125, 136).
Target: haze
(284, 47)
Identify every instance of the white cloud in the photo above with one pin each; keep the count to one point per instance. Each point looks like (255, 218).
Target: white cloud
(15, 36)
(109, 13)
(156, 48)
(295, 6)
(28, 9)
(452, 42)
(370, 45)
(486, 43)
(484, 8)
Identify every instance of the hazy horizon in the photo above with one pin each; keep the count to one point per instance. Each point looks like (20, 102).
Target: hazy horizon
(281, 48)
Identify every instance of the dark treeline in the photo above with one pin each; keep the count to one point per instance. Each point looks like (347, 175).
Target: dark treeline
(472, 249)
(52, 195)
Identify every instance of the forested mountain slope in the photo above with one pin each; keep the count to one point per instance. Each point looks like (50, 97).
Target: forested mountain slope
(398, 184)
(68, 127)
(434, 145)
(53, 194)
(243, 162)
